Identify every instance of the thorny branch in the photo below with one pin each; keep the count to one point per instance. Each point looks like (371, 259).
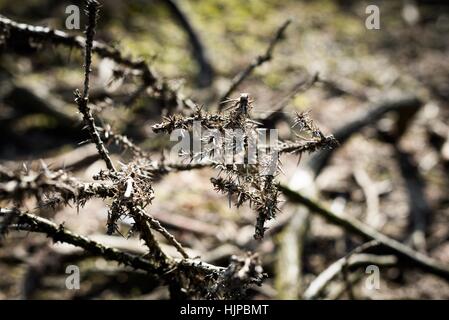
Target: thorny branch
(193, 275)
(200, 276)
(59, 188)
(49, 188)
(15, 34)
(29, 222)
(248, 182)
(83, 100)
(130, 187)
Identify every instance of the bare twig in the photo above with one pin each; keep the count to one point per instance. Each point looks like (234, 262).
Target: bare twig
(333, 270)
(353, 260)
(353, 225)
(373, 217)
(419, 207)
(289, 262)
(261, 59)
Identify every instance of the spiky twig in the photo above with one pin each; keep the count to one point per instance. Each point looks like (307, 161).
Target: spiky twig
(12, 30)
(58, 186)
(30, 222)
(83, 99)
(316, 141)
(248, 182)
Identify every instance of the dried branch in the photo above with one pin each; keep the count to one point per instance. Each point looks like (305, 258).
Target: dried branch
(18, 33)
(233, 281)
(352, 261)
(92, 16)
(44, 34)
(194, 276)
(317, 140)
(374, 113)
(83, 100)
(206, 73)
(289, 262)
(156, 225)
(261, 59)
(58, 186)
(33, 223)
(160, 258)
(172, 122)
(419, 207)
(328, 142)
(130, 187)
(353, 225)
(247, 182)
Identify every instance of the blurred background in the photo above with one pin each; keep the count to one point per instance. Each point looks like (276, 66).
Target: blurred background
(391, 173)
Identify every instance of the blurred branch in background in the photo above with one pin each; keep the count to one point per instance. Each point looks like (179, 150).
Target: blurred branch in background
(258, 61)
(206, 72)
(352, 225)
